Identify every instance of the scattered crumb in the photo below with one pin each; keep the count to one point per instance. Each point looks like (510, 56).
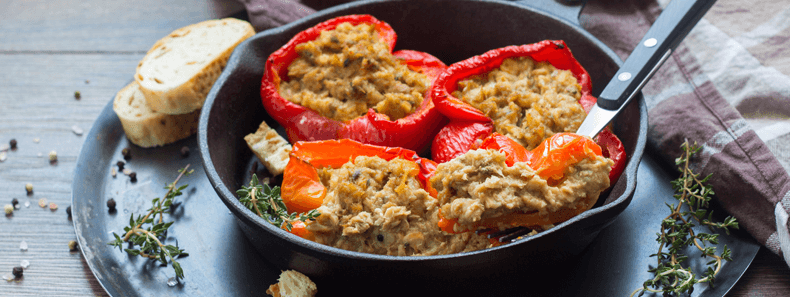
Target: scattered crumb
(73, 245)
(42, 202)
(77, 130)
(112, 172)
(292, 283)
(36, 140)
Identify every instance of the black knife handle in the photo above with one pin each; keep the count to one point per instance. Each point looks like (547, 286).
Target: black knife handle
(674, 23)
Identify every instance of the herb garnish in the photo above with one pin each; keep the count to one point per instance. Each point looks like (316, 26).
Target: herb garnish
(676, 233)
(267, 203)
(150, 239)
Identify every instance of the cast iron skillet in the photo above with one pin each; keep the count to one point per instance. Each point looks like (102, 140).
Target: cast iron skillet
(452, 30)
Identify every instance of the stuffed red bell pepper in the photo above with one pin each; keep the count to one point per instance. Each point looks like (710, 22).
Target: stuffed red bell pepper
(503, 185)
(526, 92)
(370, 198)
(341, 79)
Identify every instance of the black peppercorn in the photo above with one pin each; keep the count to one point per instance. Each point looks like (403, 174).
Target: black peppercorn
(111, 204)
(380, 237)
(185, 152)
(14, 202)
(68, 211)
(133, 176)
(120, 165)
(12, 143)
(127, 154)
(77, 95)
(17, 271)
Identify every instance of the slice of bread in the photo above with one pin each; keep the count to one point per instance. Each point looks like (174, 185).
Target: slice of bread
(292, 284)
(178, 71)
(271, 148)
(147, 128)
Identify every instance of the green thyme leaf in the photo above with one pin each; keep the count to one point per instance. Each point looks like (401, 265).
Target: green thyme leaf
(147, 241)
(267, 203)
(694, 195)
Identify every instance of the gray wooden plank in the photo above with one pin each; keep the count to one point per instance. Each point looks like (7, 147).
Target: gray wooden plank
(38, 101)
(97, 26)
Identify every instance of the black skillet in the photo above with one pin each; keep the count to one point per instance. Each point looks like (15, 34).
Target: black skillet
(452, 30)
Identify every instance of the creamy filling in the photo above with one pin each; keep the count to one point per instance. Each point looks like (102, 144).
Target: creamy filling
(349, 70)
(527, 101)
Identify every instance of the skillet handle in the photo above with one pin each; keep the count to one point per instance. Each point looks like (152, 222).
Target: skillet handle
(674, 23)
(568, 10)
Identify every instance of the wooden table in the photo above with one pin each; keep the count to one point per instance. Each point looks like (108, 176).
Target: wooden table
(48, 51)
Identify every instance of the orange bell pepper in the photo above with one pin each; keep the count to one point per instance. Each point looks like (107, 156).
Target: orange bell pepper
(550, 159)
(301, 188)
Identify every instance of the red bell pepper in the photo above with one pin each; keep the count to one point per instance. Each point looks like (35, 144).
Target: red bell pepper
(301, 188)
(414, 131)
(465, 128)
(549, 160)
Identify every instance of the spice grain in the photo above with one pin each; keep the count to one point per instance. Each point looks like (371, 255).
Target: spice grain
(111, 204)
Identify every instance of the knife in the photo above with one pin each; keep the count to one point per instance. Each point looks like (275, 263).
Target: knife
(671, 27)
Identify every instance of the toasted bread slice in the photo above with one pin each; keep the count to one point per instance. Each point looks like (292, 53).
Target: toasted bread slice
(271, 148)
(147, 128)
(178, 71)
(292, 284)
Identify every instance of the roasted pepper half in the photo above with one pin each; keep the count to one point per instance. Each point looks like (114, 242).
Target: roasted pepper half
(550, 160)
(302, 189)
(414, 131)
(469, 124)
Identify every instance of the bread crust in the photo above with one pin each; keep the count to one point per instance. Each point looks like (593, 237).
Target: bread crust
(147, 128)
(293, 284)
(270, 148)
(181, 97)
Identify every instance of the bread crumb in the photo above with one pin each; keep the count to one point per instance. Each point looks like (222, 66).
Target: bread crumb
(292, 284)
(270, 148)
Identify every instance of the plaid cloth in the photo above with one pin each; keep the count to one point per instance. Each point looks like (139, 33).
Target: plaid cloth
(726, 87)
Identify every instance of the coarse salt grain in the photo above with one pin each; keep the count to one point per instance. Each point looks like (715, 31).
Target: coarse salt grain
(127, 171)
(77, 130)
(24, 264)
(3, 156)
(23, 246)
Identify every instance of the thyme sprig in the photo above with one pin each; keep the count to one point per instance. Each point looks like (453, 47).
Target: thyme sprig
(266, 202)
(671, 277)
(150, 239)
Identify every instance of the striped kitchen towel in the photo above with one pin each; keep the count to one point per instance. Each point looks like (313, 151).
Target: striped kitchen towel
(726, 87)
